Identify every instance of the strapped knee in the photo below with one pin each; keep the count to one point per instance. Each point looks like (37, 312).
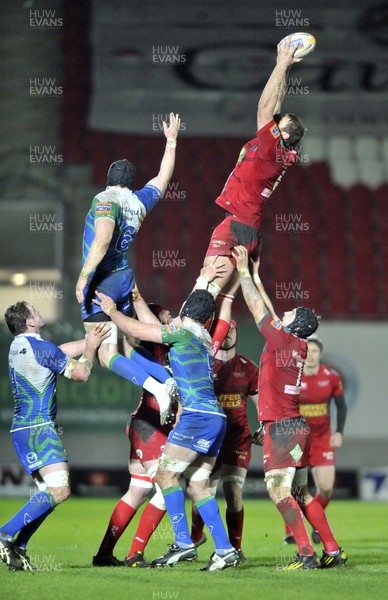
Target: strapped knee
(239, 481)
(278, 478)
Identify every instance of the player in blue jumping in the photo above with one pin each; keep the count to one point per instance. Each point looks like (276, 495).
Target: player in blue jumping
(34, 364)
(111, 225)
(193, 445)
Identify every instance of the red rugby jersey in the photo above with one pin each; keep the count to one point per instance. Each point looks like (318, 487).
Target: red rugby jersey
(315, 396)
(148, 407)
(259, 169)
(281, 369)
(235, 380)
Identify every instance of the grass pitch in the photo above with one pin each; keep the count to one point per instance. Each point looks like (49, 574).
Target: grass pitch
(63, 548)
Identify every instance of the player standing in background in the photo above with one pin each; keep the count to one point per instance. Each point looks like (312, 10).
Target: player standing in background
(286, 433)
(261, 166)
(319, 385)
(34, 364)
(235, 379)
(111, 225)
(193, 445)
(147, 438)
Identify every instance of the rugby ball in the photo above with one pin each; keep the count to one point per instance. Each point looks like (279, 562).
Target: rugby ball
(305, 43)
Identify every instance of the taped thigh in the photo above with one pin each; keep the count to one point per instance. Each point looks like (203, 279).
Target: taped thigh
(141, 481)
(175, 465)
(57, 479)
(236, 479)
(278, 478)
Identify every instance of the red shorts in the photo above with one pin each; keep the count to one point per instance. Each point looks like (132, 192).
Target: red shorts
(235, 451)
(147, 442)
(230, 233)
(321, 453)
(286, 444)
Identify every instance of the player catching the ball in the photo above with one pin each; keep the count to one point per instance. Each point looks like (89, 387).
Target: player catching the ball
(260, 167)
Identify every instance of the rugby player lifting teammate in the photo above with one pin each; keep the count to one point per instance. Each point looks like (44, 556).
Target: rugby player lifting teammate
(287, 435)
(260, 167)
(193, 445)
(235, 379)
(34, 364)
(111, 225)
(319, 385)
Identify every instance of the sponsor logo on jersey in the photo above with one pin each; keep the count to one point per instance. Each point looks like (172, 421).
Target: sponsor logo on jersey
(275, 131)
(296, 453)
(172, 327)
(276, 324)
(266, 192)
(24, 351)
(103, 208)
(218, 243)
(292, 389)
(230, 400)
(238, 374)
(323, 383)
(328, 455)
(313, 410)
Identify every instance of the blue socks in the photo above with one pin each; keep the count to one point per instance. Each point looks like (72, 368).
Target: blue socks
(28, 531)
(175, 504)
(128, 369)
(210, 513)
(144, 359)
(39, 505)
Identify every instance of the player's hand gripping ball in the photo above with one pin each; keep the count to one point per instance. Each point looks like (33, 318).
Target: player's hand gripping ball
(305, 43)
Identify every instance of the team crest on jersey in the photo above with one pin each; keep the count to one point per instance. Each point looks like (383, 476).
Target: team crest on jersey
(275, 131)
(276, 324)
(103, 208)
(241, 155)
(172, 327)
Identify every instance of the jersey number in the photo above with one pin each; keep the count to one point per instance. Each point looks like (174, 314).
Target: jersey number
(125, 238)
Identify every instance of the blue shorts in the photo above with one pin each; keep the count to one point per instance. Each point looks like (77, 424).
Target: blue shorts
(38, 447)
(201, 432)
(117, 285)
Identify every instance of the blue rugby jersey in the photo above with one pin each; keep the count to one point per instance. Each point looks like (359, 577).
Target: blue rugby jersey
(128, 210)
(34, 364)
(192, 365)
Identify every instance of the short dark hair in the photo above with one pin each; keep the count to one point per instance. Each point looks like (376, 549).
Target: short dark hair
(294, 128)
(316, 340)
(16, 316)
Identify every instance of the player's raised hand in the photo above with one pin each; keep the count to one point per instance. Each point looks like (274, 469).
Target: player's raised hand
(105, 303)
(95, 337)
(285, 53)
(171, 130)
(240, 253)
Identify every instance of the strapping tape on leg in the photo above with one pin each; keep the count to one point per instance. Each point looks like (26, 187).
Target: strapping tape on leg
(141, 481)
(173, 464)
(197, 474)
(57, 479)
(279, 478)
(234, 479)
(214, 288)
(158, 499)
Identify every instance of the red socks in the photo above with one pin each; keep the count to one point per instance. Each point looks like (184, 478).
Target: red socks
(293, 516)
(197, 525)
(119, 520)
(317, 518)
(322, 500)
(235, 522)
(149, 521)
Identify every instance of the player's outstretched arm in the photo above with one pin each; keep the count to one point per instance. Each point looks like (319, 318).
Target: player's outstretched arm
(251, 294)
(103, 234)
(143, 313)
(272, 96)
(259, 284)
(171, 130)
(143, 331)
(79, 370)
